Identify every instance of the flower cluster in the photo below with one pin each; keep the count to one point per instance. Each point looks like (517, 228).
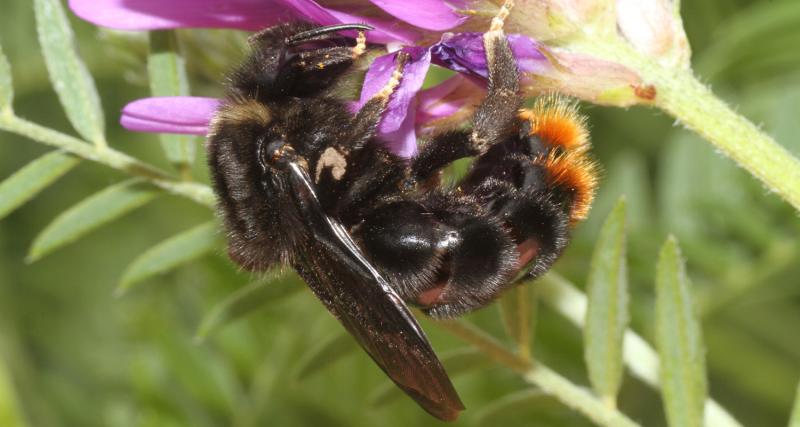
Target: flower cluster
(441, 32)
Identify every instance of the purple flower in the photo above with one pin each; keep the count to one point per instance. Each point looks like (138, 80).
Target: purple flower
(437, 15)
(189, 115)
(464, 52)
(397, 125)
(396, 22)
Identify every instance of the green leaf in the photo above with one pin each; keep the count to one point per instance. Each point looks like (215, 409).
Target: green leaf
(171, 253)
(91, 213)
(10, 413)
(247, 299)
(456, 362)
(325, 354)
(607, 312)
(6, 85)
(794, 421)
(512, 403)
(679, 341)
(69, 75)
(27, 182)
(167, 72)
(515, 310)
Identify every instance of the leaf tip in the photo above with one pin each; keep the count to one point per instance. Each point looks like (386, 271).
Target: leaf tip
(199, 336)
(122, 289)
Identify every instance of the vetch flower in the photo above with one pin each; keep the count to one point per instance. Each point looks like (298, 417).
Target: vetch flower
(396, 24)
(188, 115)
(561, 62)
(394, 21)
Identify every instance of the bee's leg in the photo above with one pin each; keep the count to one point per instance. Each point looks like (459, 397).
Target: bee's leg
(324, 33)
(365, 124)
(442, 150)
(308, 58)
(495, 118)
(370, 171)
(494, 121)
(323, 57)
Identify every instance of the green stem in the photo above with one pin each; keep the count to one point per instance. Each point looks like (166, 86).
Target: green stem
(679, 93)
(535, 373)
(199, 193)
(698, 109)
(642, 360)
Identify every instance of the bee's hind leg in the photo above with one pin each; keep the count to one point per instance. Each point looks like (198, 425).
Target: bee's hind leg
(495, 119)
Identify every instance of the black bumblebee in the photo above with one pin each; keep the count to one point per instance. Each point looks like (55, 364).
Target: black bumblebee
(303, 182)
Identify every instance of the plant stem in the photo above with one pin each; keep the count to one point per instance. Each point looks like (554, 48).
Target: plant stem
(199, 193)
(571, 395)
(642, 360)
(679, 93)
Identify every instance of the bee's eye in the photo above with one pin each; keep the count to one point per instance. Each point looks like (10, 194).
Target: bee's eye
(273, 153)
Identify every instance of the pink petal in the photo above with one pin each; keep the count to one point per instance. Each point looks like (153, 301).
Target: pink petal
(436, 15)
(403, 140)
(237, 14)
(447, 98)
(396, 118)
(464, 52)
(164, 14)
(170, 114)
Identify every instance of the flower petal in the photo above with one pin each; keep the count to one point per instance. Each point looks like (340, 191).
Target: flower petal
(464, 52)
(594, 79)
(170, 114)
(238, 14)
(161, 14)
(403, 140)
(396, 117)
(654, 27)
(451, 99)
(436, 15)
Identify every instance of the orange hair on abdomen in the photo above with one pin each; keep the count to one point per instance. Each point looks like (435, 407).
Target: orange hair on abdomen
(555, 120)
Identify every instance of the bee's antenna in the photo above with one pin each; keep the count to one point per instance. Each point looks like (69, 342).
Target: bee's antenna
(316, 32)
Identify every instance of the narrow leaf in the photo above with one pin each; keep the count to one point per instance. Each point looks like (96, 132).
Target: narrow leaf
(27, 182)
(679, 341)
(247, 299)
(10, 413)
(607, 312)
(456, 362)
(169, 254)
(794, 421)
(91, 213)
(515, 309)
(513, 403)
(325, 354)
(69, 75)
(6, 85)
(167, 72)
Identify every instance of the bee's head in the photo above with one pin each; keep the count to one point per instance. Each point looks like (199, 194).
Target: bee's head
(248, 149)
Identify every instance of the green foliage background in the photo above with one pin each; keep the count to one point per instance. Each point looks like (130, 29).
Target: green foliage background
(71, 354)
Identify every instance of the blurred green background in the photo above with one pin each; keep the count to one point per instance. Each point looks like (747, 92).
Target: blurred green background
(71, 354)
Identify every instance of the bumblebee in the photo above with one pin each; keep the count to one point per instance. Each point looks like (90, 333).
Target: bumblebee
(303, 182)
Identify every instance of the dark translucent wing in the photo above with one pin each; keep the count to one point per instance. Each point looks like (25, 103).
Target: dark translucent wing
(360, 298)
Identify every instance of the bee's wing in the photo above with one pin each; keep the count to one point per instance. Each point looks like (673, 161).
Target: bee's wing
(351, 288)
